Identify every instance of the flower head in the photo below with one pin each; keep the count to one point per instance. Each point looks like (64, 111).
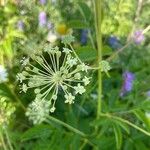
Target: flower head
(128, 82)
(42, 19)
(60, 70)
(138, 36)
(6, 111)
(62, 29)
(3, 74)
(104, 66)
(38, 110)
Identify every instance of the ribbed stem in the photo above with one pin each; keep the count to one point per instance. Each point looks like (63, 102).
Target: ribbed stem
(98, 21)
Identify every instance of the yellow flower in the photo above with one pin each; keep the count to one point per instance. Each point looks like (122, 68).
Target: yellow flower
(62, 29)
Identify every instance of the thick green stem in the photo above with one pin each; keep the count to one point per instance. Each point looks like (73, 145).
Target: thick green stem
(98, 21)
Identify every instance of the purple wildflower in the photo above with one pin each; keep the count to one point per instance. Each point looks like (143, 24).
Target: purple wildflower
(43, 2)
(128, 83)
(42, 19)
(114, 42)
(138, 36)
(20, 25)
(84, 36)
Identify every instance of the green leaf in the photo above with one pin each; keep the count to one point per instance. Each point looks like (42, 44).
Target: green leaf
(38, 131)
(77, 24)
(118, 136)
(107, 50)
(141, 116)
(85, 10)
(123, 126)
(145, 105)
(86, 53)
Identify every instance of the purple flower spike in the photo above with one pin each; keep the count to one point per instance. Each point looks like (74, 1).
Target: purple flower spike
(42, 19)
(43, 2)
(84, 36)
(20, 25)
(128, 83)
(138, 36)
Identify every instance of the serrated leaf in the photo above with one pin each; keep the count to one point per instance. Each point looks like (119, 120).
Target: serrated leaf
(107, 50)
(77, 24)
(38, 131)
(86, 53)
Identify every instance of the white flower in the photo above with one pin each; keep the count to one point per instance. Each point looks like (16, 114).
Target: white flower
(104, 65)
(52, 37)
(77, 76)
(72, 61)
(20, 77)
(86, 80)
(69, 98)
(38, 111)
(79, 89)
(67, 39)
(83, 67)
(24, 88)
(24, 61)
(66, 50)
(3, 74)
(59, 70)
(52, 109)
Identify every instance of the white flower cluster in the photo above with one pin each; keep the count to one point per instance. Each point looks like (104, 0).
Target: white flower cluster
(104, 66)
(6, 111)
(3, 74)
(38, 111)
(53, 71)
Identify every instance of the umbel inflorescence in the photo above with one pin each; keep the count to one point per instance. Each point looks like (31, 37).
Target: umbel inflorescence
(55, 70)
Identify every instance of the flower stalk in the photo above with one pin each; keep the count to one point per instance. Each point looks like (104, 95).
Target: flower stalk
(98, 20)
